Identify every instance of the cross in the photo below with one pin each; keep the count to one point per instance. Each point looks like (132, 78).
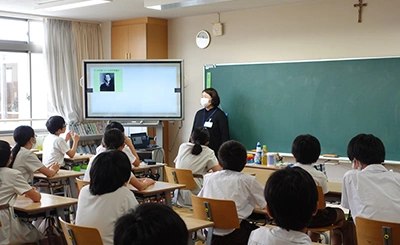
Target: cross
(360, 5)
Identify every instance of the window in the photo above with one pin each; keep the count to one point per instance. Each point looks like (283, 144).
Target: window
(23, 86)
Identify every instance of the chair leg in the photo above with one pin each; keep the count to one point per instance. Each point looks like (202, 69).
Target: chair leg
(209, 235)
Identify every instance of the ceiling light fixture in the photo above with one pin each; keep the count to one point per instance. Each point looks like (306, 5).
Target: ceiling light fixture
(57, 5)
(167, 4)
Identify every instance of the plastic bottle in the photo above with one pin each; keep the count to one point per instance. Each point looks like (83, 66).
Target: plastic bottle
(264, 155)
(257, 157)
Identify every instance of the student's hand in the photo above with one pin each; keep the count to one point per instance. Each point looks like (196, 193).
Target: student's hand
(68, 136)
(55, 167)
(128, 141)
(75, 137)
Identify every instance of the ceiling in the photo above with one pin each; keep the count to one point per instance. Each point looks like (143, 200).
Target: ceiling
(127, 9)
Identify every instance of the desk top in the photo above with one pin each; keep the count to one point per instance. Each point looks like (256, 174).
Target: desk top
(193, 224)
(335, 188)
(48, 201)
(158, 187)
(144, 166)
(259, 166)
(77, 157)
(62, 174)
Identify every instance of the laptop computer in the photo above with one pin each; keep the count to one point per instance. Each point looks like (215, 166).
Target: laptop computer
(140, 140)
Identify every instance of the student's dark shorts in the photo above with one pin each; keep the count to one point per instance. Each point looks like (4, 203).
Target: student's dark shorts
(324, 217)
(239, 236)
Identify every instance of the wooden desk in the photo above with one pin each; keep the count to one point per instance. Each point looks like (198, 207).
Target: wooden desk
(158, 167)
(78, 157)
(335, 188)
(157, 190)
(193, 225)
(66, 177)
(47, 204)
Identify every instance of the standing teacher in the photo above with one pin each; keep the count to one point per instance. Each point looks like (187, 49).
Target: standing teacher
(212, 118)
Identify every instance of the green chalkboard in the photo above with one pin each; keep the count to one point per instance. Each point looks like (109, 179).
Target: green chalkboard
(333, 100)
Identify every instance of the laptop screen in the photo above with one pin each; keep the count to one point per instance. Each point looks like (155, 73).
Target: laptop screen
(140, 140)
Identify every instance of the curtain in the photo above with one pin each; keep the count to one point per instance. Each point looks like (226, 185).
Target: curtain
(59, 53)
(88, 42)
(66, 45)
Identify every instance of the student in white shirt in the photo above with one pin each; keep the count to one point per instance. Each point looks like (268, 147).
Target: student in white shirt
(199, 158)
(291, 196)
(113, 139)
(129, 148)
(107, 198)
(231, 184)
(12, 183)
(24, 159)
(370, 190)
(55, 147)
(151, 224)
(306, 150)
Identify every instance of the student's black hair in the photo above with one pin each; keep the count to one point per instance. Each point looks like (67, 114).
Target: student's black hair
(367, 148)
(200, 136)
(55, 123)
(151, 224)
(113, 139)
(306, 149)
(22, 135)
(115, 124)
(110, 170)
(291, 195)
(5, 153)
(232, 155)
(214, 96)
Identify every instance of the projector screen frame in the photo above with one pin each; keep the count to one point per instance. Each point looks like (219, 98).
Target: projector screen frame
(180, 107)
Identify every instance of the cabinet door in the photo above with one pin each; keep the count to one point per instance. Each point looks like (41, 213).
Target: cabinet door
(119, 42)
(137, 41)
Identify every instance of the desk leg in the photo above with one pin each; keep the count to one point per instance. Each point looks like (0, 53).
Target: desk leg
(167, 196)
(72, 187)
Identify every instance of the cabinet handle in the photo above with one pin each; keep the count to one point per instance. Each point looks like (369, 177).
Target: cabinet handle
(126, 56)
(130, 56)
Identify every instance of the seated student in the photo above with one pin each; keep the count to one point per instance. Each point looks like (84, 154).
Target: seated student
(55, 147)
(113, 139)
(12, 183)
(231, 184)
(198, 157)
(370, 190)
(151, 224)
(291, 196)
(129, 149)
(24, 159)
(306, 150)
(107, 198)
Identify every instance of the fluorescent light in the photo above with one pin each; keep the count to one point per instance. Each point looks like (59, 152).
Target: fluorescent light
(167, 4)
(68, 4)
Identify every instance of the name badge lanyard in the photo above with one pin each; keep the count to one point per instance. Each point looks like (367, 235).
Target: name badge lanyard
(209, 117)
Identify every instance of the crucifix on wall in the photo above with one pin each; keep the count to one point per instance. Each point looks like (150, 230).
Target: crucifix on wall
(360, 5)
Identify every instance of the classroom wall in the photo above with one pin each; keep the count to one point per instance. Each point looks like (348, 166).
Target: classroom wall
(318, 30)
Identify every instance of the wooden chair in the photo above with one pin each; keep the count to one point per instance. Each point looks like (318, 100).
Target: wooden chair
(180, 176)
(377, 232)
(222, 212)
(80, 235)
(322, 205)
(80, 184)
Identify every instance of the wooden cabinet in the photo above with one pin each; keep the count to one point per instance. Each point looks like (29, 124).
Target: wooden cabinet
(142, 38)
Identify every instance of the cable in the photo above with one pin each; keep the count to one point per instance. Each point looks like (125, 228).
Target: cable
(176, 136)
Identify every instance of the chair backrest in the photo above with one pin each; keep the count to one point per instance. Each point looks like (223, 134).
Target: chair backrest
(80, 235)
(81, 183)
(377, 232)
(321, 198)
(180, 176)
(222, 212)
